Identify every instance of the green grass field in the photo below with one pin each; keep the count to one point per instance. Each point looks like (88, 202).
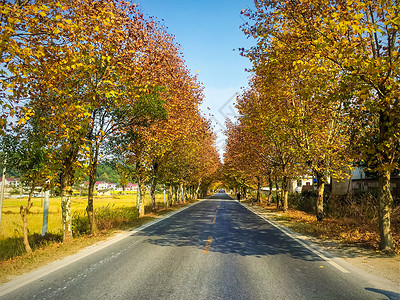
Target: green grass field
(11, 222)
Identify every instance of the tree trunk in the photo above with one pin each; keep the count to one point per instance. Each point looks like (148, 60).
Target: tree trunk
(169, 196)
(385, 210)
(258, 189)
(66, 195)
(175, 194)
(384, 193)
(67, 179)
(198, 189)
(193, 195)
(285, 191)
(270, 183)
(153, 186)
(153, 195)
(184, 196)
(92, 183)
(277, 193)
(320, 199)
(24, 216)
(141, 197)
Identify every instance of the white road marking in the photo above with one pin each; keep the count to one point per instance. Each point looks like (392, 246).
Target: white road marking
(56, 265)
(289, 234)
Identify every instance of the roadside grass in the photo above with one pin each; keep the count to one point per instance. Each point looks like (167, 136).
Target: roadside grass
(349, 231)
(50, 247)
(112, 211)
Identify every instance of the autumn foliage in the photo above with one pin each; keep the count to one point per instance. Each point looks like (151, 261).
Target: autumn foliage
(99, 78)
(323, 96)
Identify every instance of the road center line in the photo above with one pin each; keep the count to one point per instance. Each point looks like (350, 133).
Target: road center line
(207, 247)
(285, 231)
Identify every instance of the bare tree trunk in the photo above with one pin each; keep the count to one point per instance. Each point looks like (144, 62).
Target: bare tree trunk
(285, 191)
(153, 186)
(384, 193)
(142, 193)
(169, 196)
(66, 206)
(270, 183)
(320, 199)
(153, 195)
(24, 216)
(67, 179)
(92, 182)
(384, 212)
(175, 190)
(198, 189)
(258, 189)
(277, 191)
(184, 196)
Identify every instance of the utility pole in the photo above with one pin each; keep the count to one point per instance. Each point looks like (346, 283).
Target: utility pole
(46, 208)
(3, 185)
(137, 195)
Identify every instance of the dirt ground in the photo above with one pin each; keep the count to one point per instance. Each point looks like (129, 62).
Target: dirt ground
(372, 261)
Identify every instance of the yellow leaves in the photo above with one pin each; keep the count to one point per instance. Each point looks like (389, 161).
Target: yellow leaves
(56, 30)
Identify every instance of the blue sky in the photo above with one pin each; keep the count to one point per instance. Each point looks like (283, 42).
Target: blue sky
(208, 31)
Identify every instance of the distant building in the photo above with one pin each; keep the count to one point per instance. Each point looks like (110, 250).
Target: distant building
(131, 187)
(111, 185)
(361, 181)
(11, 182)
(101, 185)
(304, 183)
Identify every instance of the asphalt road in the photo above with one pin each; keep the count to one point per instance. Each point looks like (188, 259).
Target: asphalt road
(215, 249)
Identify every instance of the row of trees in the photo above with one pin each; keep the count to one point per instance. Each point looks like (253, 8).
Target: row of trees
(84, 79)
(324, 96)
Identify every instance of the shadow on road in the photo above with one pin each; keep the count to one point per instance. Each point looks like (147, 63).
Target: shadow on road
(235, 231)
(390, 295)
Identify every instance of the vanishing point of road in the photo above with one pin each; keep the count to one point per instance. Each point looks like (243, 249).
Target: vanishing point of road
(214, 249)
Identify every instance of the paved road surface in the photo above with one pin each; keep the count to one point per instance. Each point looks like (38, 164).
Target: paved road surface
(216, 249)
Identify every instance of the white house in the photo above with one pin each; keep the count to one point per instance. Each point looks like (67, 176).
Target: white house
(11, 182)
(301, 184)
(131, 187)
(111, 185)
(101, 185)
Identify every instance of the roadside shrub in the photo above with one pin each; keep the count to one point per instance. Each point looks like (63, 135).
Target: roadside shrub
(362, 206)
(107, 217)
(80, 224)
(304, 201)
(111, 217)
(14, 246)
